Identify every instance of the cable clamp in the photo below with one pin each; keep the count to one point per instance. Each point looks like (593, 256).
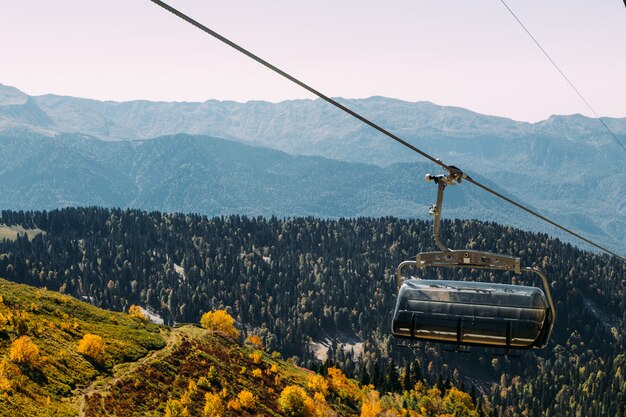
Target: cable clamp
(455, 174)
(453, 177)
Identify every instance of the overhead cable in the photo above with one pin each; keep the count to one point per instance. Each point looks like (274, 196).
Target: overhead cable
(449, 168)
(565, 77)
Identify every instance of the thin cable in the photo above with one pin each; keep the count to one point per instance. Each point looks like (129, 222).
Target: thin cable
(564, 76)
(449, 168)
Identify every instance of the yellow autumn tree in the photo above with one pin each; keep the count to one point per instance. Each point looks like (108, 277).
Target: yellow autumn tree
(344, 387)
(213, 405)
(317, 383)
(174, 408)
(219, 320)
(135, 311)
(234, 405)
(246, 399)
(256, 356)
(24, 351)
(192, 388)
(371, 405)
(295, 402)
(92, 346)
(255, 341)
(5, 373)
(458, 403)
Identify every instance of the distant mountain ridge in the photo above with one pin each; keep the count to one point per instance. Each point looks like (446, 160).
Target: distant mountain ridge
(566, 166)
(296, 126)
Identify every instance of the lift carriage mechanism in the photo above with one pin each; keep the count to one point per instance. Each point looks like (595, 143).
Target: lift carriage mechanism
(468, 313)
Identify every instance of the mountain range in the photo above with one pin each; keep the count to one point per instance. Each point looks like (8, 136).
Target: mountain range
(303, 157)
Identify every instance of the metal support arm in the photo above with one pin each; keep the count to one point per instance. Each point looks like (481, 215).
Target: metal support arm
(436, 211)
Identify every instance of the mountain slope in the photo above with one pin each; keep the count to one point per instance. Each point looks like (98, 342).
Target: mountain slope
(149, 370)
(213, 176)
(210, 176)
(311, 127)
(56, 323)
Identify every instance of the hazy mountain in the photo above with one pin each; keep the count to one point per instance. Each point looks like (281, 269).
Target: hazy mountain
(212, 176)
(566, 166)
(307, 126)
(208, 175)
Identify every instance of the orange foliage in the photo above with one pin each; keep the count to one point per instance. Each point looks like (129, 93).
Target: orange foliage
(255, 341)
(219, 320)
(295, 402)
(24, 351)
(317, 383)
(192, 388)
(246, 399)
(344, 387)
(213, 405)
(457, 402)
(5, 382)
(256, 356)
(135, 311)
(371, 405)
(234, 405)
(92, 346)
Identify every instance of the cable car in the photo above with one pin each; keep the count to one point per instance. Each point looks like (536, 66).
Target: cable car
(472, 313)
(467, 313)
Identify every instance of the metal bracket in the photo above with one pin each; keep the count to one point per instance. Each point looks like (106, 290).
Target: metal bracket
(469, 259)
(454, 176)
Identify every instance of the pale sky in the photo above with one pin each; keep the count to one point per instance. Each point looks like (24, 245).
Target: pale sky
(463, 53)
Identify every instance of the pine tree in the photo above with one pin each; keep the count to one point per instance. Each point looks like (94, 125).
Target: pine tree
(407, 385)
(365, 376)
(392, 378)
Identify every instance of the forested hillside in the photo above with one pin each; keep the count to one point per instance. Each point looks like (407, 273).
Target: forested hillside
(301, 281)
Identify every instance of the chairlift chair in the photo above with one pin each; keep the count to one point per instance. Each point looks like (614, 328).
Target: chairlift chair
(467, 313)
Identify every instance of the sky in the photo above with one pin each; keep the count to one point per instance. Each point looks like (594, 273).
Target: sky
(470, 54)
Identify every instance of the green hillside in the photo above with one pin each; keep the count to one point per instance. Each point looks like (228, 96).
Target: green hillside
(46, 369)
(56, 323)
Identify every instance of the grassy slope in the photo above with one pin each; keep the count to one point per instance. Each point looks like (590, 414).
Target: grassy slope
(146, 365)
(11, 232)
(56, 323)
(148, 368)
(190, 357)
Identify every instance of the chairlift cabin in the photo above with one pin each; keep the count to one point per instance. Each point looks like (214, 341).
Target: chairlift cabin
(467, 312)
